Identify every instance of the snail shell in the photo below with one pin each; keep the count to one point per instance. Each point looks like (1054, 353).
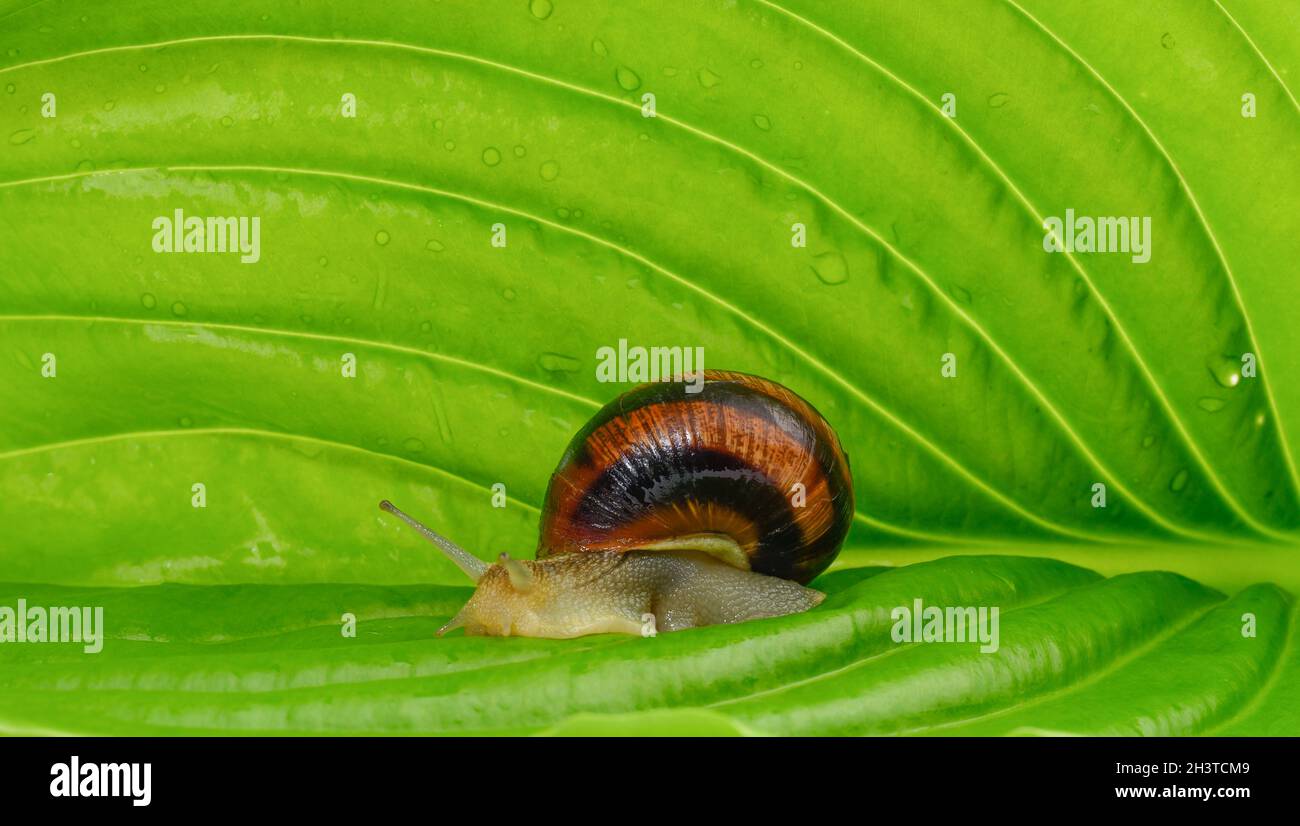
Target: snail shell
(717, 471)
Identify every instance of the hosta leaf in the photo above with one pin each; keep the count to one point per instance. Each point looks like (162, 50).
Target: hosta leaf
(475, 363)
(1138, 653)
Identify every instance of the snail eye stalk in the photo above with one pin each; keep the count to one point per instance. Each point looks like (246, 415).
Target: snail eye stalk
(473, 567)
(521, 579)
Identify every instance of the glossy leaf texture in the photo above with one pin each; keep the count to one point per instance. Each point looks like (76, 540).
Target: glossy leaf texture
(475, 363)
(1146, 653)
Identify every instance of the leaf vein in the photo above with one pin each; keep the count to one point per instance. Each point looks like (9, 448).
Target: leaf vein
(893, 419)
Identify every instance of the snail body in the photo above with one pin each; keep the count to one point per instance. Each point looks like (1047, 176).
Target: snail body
(615, 592)
(672, 510)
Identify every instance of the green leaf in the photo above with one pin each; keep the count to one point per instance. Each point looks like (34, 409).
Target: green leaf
(1139, 653)
(475, 364)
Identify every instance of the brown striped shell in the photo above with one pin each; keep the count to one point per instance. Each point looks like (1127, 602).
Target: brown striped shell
(661, 468)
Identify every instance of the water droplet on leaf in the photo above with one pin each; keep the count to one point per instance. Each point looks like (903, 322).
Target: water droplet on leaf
(831, 268)
(627, 78)
(558, 363)
(1226, 371)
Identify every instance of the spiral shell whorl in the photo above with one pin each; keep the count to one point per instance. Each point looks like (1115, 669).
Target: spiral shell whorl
(658, 465)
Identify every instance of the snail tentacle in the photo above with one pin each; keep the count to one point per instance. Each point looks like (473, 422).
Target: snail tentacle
(472, 566)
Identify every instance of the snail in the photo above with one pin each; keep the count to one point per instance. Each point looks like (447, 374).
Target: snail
(671, 510)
